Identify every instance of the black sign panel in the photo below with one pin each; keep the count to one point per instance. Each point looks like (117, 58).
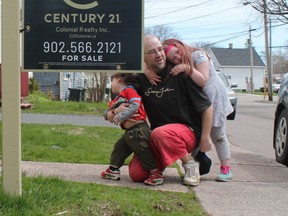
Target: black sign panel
(79, 35)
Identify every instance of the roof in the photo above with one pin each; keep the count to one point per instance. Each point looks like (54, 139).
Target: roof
(236, 57)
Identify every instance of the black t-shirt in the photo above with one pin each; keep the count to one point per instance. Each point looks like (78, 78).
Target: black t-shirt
(177, 99)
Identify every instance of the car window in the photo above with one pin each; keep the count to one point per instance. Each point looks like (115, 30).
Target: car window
(224, 79)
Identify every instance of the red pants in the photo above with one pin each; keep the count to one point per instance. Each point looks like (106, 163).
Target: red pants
(168, 143)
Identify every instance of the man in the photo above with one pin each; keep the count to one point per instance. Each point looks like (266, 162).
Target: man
(180, 115)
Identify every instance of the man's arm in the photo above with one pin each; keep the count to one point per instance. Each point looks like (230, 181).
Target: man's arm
(207, 120)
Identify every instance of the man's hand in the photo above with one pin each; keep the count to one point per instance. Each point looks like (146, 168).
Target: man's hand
(121, 108)
(116, 120)
(110, 116)
(205, 144)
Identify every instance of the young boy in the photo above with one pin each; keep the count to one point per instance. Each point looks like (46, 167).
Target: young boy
(137, 132)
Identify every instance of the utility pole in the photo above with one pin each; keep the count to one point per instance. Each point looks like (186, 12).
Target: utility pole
(268, 60)
(268, 64)
(251, 60)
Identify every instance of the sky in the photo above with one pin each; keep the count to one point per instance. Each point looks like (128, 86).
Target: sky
(219, 22)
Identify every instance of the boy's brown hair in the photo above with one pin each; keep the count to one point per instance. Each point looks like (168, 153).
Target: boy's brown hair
(127, 78)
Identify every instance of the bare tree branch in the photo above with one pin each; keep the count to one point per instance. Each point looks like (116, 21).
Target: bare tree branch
(275, 8)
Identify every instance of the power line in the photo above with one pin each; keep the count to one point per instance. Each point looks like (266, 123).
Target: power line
(177, 11)
(242, 33)
(194, 18)
(226, 39)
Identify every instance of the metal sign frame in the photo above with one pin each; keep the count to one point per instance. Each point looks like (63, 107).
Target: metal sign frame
(98, 36)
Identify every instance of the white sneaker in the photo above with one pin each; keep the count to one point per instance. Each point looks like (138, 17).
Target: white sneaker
(192, 175)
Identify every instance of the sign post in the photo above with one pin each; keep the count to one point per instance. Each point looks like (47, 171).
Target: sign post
(11, 132)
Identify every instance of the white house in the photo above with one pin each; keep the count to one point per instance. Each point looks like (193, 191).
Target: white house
(235, 64)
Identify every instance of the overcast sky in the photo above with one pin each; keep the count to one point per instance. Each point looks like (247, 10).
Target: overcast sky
(215, 21)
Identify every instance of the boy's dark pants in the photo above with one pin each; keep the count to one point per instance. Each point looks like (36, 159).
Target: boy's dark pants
(135, 139)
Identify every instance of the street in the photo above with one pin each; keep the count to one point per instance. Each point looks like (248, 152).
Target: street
(252, 129)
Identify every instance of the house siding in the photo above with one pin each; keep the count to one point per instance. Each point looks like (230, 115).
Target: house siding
(241, 76)
(48, 83)
(57, 84)
(235, 64)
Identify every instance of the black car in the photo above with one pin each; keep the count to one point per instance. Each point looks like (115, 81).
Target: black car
(280, 138)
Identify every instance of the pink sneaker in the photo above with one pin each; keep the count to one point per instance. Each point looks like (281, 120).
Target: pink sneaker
(225, 174)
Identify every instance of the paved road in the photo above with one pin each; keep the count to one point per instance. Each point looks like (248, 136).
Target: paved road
(83, 120)
(253, 127)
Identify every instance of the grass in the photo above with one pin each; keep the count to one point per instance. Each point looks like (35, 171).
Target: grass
(256, 92)
(52, 196)
(82, 144)
(42, 104)
(67, 143)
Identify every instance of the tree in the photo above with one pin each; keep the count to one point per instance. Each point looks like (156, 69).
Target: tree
(162, 32)
(277, 8)
(96, 84)
(280, 62)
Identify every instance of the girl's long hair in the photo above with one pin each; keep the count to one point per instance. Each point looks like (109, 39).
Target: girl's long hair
(186, 53)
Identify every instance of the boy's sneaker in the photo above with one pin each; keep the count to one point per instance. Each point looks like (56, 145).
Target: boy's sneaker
(225, 174)
(192, 175)
(155, 178)
(109, 174)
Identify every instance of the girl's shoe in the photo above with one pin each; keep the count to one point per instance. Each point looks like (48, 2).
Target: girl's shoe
(225, 174)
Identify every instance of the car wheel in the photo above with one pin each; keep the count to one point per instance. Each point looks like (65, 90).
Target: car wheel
(281, 139)
(232, 115)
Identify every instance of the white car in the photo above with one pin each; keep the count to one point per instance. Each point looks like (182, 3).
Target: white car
(276, 87)
(231, 94)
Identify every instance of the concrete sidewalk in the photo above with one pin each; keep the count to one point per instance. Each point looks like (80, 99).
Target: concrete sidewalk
(90, 173)
(259, 187)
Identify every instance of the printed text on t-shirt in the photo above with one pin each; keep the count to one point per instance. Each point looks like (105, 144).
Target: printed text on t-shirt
(159, 93)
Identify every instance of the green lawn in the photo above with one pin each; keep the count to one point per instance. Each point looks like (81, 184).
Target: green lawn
(42, 104)
(52, 196)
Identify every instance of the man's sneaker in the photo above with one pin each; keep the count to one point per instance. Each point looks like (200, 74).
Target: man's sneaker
(155, 178)
(225, 174)
(109, 174)
(192, 175)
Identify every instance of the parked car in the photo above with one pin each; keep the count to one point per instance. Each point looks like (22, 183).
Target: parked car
(275, 87)
(280, 137)
(231, 94)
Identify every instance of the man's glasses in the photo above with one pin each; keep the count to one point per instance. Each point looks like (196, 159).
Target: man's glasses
(154, 51)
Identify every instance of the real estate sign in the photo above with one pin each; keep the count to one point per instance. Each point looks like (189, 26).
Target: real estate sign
(80, 35)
